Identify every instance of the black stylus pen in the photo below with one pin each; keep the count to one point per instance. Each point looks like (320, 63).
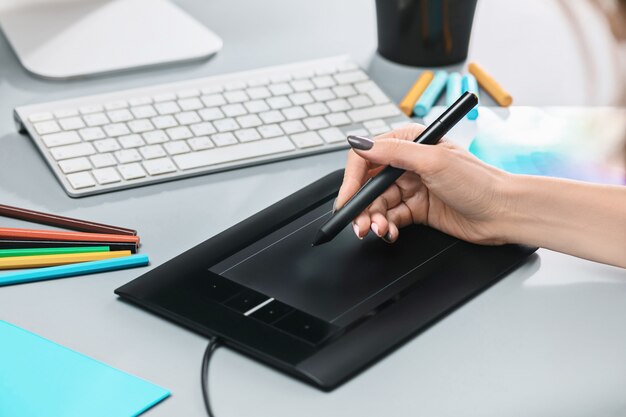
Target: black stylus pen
(378, 184)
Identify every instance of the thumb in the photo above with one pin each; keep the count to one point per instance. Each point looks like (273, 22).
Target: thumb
(399, 153)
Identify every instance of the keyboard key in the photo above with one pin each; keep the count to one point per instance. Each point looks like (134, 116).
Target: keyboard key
(339, 104)
(294, 126)
(259, 81)
(116, 129)
(188, 117)
(376, 112)
(247, 135)
(315, 123)
(177, 133)
(258, 93)
(211, 114)
(191, 92)
(59, 114)
(332, 135)
(234, 153)
(131, 171)
(307, 140)
(234, 85)
(359, 101)
(316, 109)
(350, 77)
(301, 98)
(139, 101)
(43, 128)
(154, 151)
(224, 139)
(213, 100)
(164, 97)
(121, 115)
(235, 96)
(164, 122)
(302, 85)
(233, 110)
(131, 141)
(101, 160)
(357, 132)
(159, 166)
(72, 123)
(40, 117)
(323, 81)
(202, 129)
(212, 89)
(91, 133)
(190, 104)
(167, 107)
(338, 119)
(106, 176)
(143, 112)
(61, 138)
(200, 142)
(127, 155)
(270, 131)
(72, 151)
(106, 145)
(177, 147)
(250, 120)
(140, 126)
(272, 116)
(343, 91)
(115, 105)
(279, 102)
(280, 89)
(298, 75)
(92, 108)
(294, 113)
(323, 94)
(256, 106)
(74, 165)
(226, 125)
(373, 124)
(81, 180)
(154, 137)
(372, 91)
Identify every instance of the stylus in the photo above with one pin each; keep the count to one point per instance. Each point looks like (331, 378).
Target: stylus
(378, 184)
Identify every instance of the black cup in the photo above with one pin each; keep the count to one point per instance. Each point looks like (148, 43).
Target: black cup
(424, 33)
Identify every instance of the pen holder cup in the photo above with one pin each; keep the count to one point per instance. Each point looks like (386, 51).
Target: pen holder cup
(424, 33)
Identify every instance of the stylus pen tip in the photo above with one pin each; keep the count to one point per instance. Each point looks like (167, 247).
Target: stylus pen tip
(320, 238)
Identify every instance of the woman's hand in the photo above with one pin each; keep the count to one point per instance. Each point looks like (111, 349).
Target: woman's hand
(444, 187)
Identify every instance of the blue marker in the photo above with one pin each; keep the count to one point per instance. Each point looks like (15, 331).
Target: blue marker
(454, 88)
(470, 84)
(431, 94)
(62, 271)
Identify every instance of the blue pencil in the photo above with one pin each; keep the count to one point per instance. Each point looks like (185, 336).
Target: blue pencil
(431, 94)
(470, 84)
(454, 88)
(71, 270)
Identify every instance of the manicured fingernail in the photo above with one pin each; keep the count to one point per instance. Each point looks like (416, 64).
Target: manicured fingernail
(360, 142)
(375, 229)
(387, 237)
(356, 230)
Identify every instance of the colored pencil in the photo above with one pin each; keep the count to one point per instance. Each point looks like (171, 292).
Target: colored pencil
(470, 84)
(37, 261)
(411, 97)
(25, 244)
(62, 221)
(37, 234)
(490, 85)
(431, 94)
(62, 271)
(5, 253)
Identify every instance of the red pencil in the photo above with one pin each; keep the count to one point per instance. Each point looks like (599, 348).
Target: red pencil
(31, 234)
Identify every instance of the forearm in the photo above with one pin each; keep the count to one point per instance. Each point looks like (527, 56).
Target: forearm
(581, 219)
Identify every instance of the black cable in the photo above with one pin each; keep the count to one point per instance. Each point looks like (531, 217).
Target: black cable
(214, 343)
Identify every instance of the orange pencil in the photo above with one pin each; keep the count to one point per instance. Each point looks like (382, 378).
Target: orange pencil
(32, 234)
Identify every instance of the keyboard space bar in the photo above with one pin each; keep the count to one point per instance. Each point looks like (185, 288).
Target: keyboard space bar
(231, 153)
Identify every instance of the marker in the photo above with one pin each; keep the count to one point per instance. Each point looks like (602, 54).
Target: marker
(470, 84)
(378, 184)
(37, 261)
(454, 88)
(432, 93)
(491, 86)
(4, 253)
(411, 97)
(40, 274)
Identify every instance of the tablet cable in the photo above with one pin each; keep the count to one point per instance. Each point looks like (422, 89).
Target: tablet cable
(214, 343)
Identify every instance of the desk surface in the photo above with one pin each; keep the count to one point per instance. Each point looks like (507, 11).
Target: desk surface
(547, 340)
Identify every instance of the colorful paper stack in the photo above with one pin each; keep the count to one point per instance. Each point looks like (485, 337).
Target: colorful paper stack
(429, 87)
(37, 254)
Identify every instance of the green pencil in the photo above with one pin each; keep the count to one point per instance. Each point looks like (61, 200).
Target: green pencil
(51, 251)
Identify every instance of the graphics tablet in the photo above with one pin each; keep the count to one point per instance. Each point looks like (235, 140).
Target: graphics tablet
(320, 313)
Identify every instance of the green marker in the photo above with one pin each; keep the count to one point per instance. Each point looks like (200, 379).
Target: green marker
(51, 251)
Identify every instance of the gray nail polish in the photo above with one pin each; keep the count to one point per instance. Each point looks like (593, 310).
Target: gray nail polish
(360, 142)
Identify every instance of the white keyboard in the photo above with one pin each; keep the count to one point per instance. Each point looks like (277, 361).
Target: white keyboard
(108, 142)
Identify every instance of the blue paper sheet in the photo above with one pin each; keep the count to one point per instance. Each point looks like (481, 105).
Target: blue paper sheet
(41, 378)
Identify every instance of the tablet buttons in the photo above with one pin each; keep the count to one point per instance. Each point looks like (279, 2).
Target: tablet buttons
(246, 300)
(217, 287)
(304, 326)
(271, 311)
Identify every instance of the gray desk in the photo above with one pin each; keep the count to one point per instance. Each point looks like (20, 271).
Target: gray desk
(548, 340)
